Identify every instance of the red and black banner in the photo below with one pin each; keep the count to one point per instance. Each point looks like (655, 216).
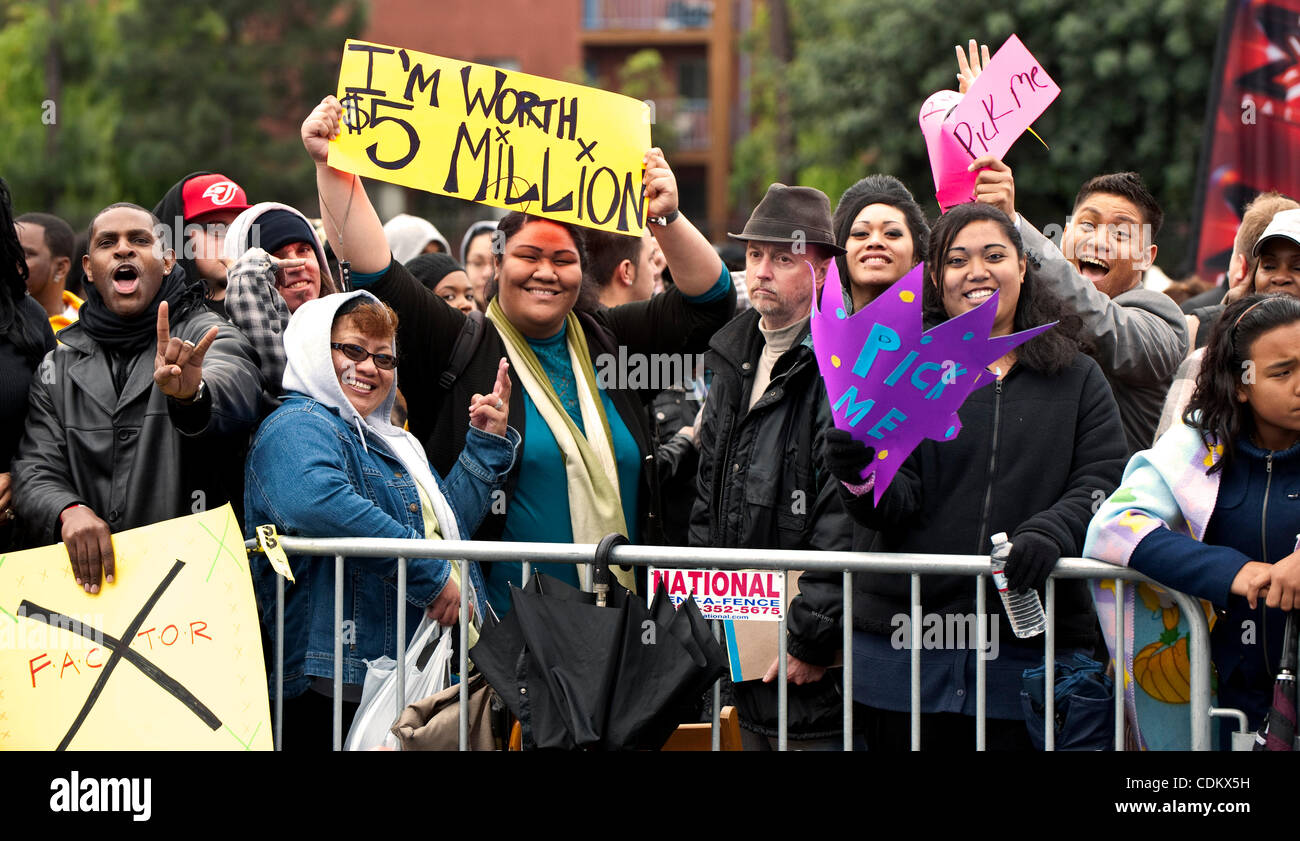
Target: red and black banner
(1253, 127)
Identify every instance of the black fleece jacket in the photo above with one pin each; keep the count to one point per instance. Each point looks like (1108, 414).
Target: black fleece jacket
(1035, 453)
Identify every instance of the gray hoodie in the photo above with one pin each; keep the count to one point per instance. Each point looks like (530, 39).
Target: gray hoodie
(240, 238)
(253, 304)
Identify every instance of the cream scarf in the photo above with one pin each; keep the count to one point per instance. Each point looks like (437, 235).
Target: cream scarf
(595, 504)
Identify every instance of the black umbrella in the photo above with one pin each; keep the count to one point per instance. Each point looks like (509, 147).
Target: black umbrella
(660, 683)
(1279, 730)
(579, 676)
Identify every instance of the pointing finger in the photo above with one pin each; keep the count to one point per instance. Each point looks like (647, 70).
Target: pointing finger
(962, 63)
(503, 379)
(503, 387)
(164, 329)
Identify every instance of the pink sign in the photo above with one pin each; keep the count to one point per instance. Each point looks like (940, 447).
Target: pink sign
(954, 183)
(1010, 93)
(891, 384)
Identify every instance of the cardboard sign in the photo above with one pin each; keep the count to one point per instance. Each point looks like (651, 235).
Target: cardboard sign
(729, 594)
(492, 136)
(168, 656)
(1010, 93)
(890, 384)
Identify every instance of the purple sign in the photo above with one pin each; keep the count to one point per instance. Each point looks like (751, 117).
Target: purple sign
(890, 384)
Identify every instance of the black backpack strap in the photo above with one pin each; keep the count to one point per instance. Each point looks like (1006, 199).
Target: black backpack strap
(466, 343)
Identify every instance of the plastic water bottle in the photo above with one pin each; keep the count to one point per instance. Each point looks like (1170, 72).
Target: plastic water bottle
(1022, 606)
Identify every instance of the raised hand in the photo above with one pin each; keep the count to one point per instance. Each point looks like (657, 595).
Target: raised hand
(491, 412)
(968, 70)
(321, 126)
(660, 184)
(259, 261)
(178, 365)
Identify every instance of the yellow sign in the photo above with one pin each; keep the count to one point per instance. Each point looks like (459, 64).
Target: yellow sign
(497, 137)
(168, 656)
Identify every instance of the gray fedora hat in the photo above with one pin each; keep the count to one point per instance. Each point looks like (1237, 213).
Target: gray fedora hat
(789, 215)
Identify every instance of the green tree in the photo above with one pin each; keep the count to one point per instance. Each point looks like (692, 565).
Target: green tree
(643, 76)
(1134, 81)
(56, 148)
(755, 162)
(143, 95)
(225, 88)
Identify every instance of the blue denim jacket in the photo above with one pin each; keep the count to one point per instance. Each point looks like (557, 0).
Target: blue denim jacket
(308, 473)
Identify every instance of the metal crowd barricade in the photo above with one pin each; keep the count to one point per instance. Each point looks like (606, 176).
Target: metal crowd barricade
(914, 565)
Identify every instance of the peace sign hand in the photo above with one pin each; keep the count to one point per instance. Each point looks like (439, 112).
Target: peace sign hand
(178, 365)
(491, 412)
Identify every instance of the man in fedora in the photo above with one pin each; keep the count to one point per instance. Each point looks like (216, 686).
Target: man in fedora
(759, 477)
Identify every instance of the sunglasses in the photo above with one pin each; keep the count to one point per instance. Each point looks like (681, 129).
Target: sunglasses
(384, 361)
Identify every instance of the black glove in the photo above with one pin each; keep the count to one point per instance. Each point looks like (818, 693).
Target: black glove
(1033, 557)
(846, 456)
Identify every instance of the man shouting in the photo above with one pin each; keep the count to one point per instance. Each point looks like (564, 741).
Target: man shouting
(142, 412)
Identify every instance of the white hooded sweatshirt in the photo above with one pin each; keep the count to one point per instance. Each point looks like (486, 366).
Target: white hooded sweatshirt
(239, 238)
(310, 371)
(408, 236)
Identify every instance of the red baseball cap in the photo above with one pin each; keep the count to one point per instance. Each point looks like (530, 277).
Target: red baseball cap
(210, 193)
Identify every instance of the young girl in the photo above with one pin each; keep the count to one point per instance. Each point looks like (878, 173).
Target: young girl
(1034, 446)
(1212, 509)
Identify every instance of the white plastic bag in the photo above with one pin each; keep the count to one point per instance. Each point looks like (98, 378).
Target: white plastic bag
(371, 728)
(377, 671)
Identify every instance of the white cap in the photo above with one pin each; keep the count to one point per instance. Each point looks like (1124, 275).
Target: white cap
(1285, 224)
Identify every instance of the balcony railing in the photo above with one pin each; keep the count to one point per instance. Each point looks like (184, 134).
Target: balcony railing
(665, 15)
(687, 120)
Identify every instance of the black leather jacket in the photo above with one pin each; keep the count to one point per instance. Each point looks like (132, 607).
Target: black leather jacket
(138, 457)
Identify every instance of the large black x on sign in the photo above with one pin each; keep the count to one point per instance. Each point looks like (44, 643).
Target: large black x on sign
(121, 651)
